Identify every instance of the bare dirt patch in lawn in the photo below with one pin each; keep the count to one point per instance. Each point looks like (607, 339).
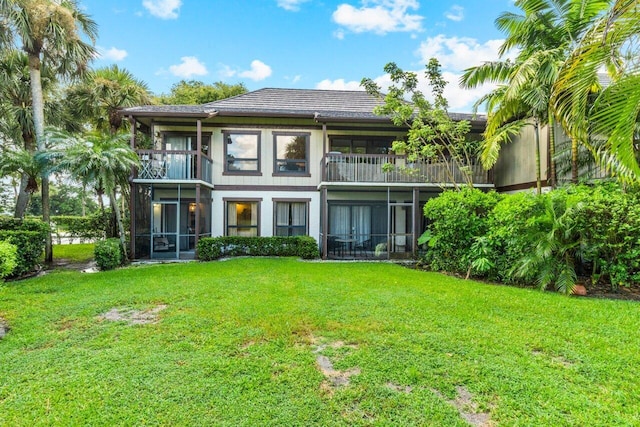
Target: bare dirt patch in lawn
(399, 388)
(467, 408)
(4, 328)
(133, 317)
(334, 377)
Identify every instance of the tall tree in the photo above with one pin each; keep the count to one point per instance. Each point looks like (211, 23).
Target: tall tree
(16, 126)
(432, 134)
(610, 43)
(194, 92)
(102, 93)
(102, 160)
(544, 33)
(49, 32)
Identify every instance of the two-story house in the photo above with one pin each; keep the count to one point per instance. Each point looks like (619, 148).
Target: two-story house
(279, 162)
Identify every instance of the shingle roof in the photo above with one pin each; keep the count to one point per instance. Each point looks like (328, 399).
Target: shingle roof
(301, 102)
(272, 102)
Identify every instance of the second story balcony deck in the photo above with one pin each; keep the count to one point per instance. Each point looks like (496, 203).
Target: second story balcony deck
(370, 168)
(178, 165)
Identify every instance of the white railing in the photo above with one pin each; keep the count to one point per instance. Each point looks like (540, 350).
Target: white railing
(178, 165)
(364, 168)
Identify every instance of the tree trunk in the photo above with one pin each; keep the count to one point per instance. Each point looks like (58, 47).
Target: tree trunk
(23, 197)
(574, 160)
(538, 174)
(552, 151)
(114, 206)
(37, 100)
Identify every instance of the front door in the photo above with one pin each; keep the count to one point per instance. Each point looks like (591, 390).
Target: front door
(164, 230)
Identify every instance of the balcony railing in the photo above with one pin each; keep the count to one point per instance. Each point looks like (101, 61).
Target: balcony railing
(368, 168)
(173, 165)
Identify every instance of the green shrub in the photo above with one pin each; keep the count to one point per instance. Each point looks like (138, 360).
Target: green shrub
(455, 219)
(108, 254)
(610, 225)
(8, 259)
(29, 238)
(509, 235)
(210, 248)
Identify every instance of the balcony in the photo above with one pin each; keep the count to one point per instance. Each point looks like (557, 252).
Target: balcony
(368, 168)
(173, 165)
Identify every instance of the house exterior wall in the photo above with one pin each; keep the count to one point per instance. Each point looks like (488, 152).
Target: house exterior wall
(515, 168)
(267, 200)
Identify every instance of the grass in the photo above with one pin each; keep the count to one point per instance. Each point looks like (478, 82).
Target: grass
(76, 253)
(238, 345)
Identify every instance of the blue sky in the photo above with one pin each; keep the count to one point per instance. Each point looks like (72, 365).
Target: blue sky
(295, 43)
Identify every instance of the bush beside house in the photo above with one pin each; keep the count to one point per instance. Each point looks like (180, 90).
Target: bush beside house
(108, 254)
(550, 239)
(211, 248)
(29, 238)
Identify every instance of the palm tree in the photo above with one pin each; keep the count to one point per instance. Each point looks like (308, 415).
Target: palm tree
(103, 92)
(102, 160)
(544, 34)
(615, 112)
(50, 32)
(17, 112)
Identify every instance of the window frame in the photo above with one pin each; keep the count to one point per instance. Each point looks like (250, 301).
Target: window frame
(307, 145)
(290, 200)
(226, 134)
(226, 202)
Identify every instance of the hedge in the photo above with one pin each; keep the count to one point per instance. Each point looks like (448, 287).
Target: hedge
(29, 238)
(211, 248)
(570, 234)
(90, 227)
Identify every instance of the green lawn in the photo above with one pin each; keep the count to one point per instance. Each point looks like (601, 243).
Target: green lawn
(240, 343)
(75, 253)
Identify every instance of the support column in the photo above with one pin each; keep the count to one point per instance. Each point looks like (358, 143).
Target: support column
(197, 219)
(416, 219)
(132, 196)
(198, 150)
(324, 206)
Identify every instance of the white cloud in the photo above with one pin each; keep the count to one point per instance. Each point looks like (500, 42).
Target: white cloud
(189, 67)
(339, 34)
(339, 84)
(379, 16)
(456, 13)
(291, 5)
(459, 53)
(259, 71)
(113, 54)
(163, 9)
(226, 72)
(460, 100)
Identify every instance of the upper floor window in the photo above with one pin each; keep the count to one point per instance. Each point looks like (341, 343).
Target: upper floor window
(291, 153)
(360, 145)
(242, 152)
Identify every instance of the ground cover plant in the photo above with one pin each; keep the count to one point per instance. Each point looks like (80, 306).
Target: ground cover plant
(257, 341)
